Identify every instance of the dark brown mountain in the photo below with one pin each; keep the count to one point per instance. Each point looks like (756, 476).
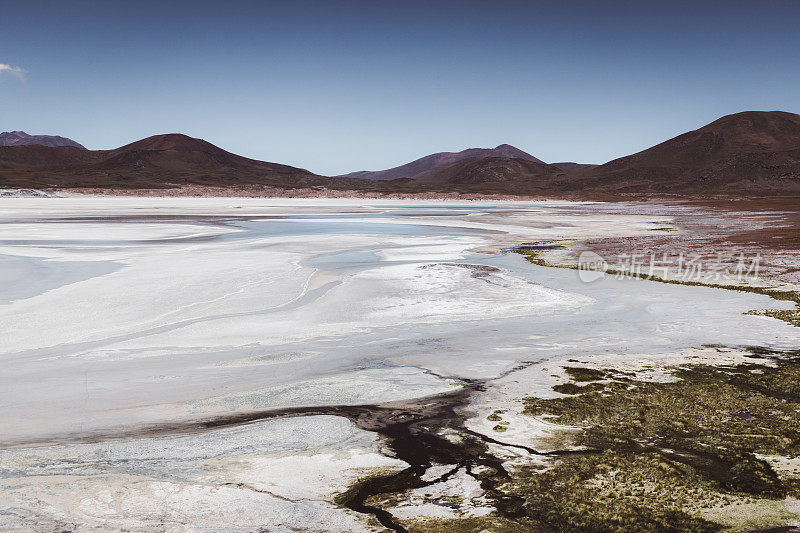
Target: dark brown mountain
(749, 152)
(35, 157)
(158, 161)
(490, 174)
(180, 154)
(20, 138)
(432, 163)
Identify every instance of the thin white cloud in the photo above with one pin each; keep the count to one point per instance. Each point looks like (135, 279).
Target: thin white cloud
(17, 72)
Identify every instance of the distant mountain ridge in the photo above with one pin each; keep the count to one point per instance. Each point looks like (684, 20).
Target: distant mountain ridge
(495, 173)
(179, 153)
(20, 138)
(753, 153)
(753, 150)
(157, 161)
(430, 164)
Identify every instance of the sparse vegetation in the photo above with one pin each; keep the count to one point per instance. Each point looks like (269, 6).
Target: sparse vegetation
(792, 316)
(533, 252)
(672, 455)
(712, 449)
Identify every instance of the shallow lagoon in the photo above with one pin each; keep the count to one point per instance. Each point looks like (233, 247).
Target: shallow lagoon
(137, 312)
(146, 311)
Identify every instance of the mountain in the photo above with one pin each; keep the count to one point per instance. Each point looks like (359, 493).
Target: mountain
(492, 174)
(178, 153)
(753, 151)
(749, 153)
(38, 158)
(20, 138)
(435, 162)
(158, 161)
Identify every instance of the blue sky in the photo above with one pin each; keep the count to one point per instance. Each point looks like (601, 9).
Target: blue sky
(342, 86)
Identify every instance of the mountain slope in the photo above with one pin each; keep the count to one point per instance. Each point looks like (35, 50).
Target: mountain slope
(20, 138)
(435, 162)
(492, 174)
(178, 153)
(753, 150)
(158, 161)
(749, 153)
(37, 157)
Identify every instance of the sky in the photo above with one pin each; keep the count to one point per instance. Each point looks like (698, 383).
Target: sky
(341, 86)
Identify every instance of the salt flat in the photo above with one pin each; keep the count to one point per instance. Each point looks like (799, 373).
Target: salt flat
(123, 314)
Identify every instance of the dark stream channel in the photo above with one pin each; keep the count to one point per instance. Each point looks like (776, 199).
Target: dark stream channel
(422, 432)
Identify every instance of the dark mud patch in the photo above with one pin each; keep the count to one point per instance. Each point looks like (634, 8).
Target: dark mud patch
(430, 432)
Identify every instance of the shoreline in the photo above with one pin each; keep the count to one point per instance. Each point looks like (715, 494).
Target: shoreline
(278, 192)
(260, 191)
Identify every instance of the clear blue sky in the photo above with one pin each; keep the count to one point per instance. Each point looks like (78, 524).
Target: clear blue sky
(342, 86)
